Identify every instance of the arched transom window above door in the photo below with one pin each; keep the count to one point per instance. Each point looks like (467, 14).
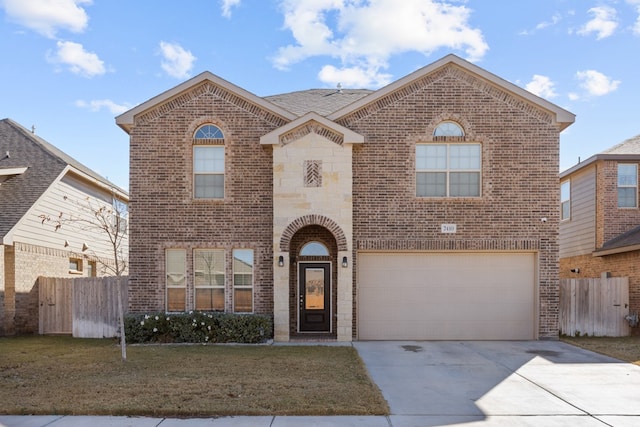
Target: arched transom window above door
(314, 249)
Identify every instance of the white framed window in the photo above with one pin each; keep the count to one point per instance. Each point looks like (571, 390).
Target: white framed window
(448, 170)
(209, 279)
(176, 279)
(75, 266)
(565, 200)
(243, 280)
(208, 163)
(627, 185)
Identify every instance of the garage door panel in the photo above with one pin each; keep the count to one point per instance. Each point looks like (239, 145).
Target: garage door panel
(446, 296)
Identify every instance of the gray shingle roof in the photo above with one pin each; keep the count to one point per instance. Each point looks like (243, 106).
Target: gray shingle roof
(321, 101)
(44, 163)
(629, 146)
(628, 238)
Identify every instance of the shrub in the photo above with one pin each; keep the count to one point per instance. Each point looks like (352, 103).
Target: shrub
(198, 327)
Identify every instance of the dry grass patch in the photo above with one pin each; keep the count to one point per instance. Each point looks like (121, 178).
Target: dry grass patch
(623, 348)
(62, 375)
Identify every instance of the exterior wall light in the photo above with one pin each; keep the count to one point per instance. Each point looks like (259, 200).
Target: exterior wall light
(345, 263)
(280, 261)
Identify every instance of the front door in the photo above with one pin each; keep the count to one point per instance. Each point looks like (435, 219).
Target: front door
(314, 291)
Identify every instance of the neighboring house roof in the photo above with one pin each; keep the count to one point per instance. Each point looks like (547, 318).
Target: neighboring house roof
(28, 167)
(336, 103)
(627, 150)
(625, 242)
(629, 146)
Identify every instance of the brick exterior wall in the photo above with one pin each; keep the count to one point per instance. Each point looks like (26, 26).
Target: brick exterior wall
(163, 212)
(520, 158)
(611, 221)
(3, 290)
(519, 177)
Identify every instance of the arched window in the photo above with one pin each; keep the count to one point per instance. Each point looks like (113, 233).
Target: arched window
(448, 129)
(208, 162)
(208, 131)
(314, 249)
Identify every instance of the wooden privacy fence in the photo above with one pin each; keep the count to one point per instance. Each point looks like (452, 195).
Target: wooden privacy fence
(594, 307)
(83, 307)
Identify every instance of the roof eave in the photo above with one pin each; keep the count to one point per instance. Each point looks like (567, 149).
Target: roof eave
(612, 251)
(598, 157)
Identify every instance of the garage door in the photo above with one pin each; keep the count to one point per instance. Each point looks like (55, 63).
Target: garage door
(446, 296)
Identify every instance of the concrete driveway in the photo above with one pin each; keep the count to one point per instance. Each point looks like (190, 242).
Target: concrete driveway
(507, 383)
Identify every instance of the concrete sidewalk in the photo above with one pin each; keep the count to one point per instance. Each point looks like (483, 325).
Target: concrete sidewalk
(449, 383)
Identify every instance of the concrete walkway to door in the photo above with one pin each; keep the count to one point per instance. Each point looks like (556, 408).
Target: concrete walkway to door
(487, 383)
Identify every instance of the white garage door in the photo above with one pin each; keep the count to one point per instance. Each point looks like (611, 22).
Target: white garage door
(446, 296)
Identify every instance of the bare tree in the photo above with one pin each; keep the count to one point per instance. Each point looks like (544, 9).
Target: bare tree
(99, 218)
(109, 220)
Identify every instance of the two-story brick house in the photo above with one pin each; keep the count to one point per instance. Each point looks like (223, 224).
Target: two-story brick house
(600, 217)
(424, 210)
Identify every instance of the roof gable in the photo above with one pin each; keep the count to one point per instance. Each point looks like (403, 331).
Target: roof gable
(473, 75)
(31, 165)
(312, 123)
(205, 82)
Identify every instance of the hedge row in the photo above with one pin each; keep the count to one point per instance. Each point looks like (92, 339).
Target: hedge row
(198, 327)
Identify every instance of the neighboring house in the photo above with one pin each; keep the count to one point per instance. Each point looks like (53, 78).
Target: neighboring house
(38, 181)
(600, 223)
(423, 210)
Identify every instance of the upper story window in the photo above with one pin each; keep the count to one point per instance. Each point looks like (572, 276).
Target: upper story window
(448, 170)
(448, 129)
(627, 185)
(208, 162)
(565, 200)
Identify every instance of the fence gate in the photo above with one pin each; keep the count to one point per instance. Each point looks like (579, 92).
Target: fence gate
(54, 305)
(82, 307)
(594, 306)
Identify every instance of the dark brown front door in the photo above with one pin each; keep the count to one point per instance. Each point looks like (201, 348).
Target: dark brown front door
(315, 297)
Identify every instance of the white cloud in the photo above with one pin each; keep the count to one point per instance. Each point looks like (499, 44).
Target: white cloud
(363, 36)
(227, 5)
(604, 22)
(636, 26)
(177, 62)
(555, 19)
(353, 76)
(78, 60)
(97, 105)
(596, 83)
(541, 86)
(48, 16)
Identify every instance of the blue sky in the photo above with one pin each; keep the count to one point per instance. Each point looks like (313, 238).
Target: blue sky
(70, 66)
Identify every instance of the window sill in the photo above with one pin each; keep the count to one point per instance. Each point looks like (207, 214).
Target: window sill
(76, 272)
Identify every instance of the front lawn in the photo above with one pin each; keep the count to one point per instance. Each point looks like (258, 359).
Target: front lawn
(63, 375)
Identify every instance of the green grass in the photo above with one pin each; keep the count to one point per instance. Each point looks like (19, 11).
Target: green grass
(63, 375)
